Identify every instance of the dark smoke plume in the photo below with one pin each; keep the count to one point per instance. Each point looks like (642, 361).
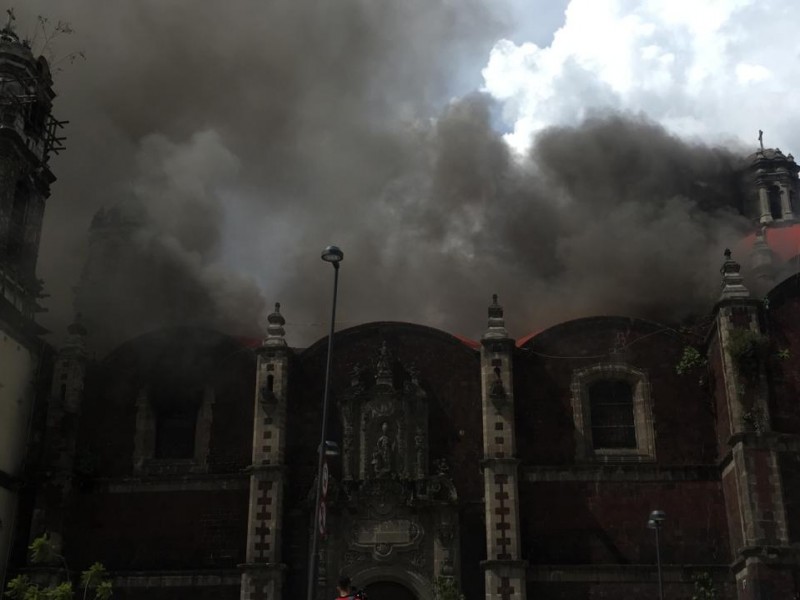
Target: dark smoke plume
(229, 146)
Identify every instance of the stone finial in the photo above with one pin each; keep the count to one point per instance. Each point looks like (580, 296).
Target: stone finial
(732, 280)
(497, 324)
(7, 34)
(275, 330)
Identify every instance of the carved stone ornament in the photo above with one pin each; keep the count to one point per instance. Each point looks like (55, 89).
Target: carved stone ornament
(385, 537)
(387, 497)
(384, 422)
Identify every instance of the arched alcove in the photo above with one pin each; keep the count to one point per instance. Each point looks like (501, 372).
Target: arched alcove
(378, 580)
(389, 590)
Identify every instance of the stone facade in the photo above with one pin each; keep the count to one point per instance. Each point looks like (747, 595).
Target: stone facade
(506, 469)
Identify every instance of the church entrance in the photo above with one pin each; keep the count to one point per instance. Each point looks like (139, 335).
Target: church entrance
(388, 590)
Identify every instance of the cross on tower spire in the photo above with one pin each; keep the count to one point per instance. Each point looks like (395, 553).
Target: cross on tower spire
(761, 139)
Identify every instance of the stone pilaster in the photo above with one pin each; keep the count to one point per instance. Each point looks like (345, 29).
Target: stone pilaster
(60, 438)
(786, 200)
(763, 204)
(751, 478)
(262, 574)
(504, 568)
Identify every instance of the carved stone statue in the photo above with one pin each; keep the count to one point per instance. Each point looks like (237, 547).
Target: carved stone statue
(382, 458)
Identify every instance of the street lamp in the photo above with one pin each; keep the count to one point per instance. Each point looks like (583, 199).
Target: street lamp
(655, 521)
(333, 255)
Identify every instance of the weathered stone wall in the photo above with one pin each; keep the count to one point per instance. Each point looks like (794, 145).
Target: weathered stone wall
(167, 515)
(589, 512)
(158, 530)
(156, 590)
(113, 386)
(683, 417)
(603, 521)
(783, 329)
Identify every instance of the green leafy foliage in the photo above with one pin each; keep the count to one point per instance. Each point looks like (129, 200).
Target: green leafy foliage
(747, 347)
(690, 360)
(96, 578)
(446, 588)
(17, 588)
(63, 591)
(704, 588)
(103, 591)
(44, 551)
(783, 354)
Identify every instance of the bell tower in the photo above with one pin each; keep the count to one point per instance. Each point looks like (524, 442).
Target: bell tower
(775, 178)
(28, 137)
(774, 205)
(27, 140)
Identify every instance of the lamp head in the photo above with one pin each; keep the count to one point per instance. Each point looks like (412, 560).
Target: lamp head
(657, 517)
(333, 254)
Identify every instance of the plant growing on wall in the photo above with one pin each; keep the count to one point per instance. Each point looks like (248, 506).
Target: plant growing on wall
(94, 583)
(704, 588)
(446, 588)
(747, 347)
(690, 360)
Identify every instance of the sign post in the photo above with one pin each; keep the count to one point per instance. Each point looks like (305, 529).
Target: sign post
(323, 505)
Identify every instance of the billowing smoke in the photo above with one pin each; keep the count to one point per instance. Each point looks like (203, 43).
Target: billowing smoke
(229, 146)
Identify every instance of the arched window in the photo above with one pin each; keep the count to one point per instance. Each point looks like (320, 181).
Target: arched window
(173, 428)
(775, 208)
(613, 413)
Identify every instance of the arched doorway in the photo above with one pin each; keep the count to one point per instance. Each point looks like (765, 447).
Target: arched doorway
(388, 590)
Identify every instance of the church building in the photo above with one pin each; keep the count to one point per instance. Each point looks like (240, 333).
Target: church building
(604, 457)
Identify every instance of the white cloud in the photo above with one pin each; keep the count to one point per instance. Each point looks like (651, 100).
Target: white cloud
(716, 69)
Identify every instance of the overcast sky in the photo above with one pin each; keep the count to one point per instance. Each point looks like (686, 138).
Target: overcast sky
(715, 69)
(255, 134)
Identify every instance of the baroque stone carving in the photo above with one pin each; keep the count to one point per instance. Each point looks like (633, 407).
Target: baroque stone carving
(383, 457)
(388, 498)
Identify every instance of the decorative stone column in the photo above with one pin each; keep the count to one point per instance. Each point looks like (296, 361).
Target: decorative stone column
(750, 477)
(763, 204)
(262, 574)
(504, 569)
(786, 200)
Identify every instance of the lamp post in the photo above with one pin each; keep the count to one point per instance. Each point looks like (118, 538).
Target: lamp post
(655, 521)
(333, 255)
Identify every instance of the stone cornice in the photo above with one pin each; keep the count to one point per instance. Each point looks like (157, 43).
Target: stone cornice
(788, 556)
(623, 573)
(768, 440)
(173, 579)
(185, 483)
(508, 564)
(267, 567)
(491, 462)
(620, 472)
